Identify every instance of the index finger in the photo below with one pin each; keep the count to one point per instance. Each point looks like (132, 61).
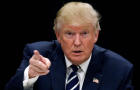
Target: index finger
(36, 55)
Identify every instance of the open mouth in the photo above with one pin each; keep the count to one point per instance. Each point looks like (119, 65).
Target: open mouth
(77, 51)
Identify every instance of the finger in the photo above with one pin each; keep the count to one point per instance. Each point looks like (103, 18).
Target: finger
(33, 72)
(35, 68)
(42, 60)
(44, 73)
(46, 61)
(39, 64)
(36, 55)
(41, 73)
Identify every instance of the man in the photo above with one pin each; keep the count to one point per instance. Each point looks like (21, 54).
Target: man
(73, 61)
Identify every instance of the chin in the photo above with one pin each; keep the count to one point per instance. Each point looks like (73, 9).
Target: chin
(77, 60)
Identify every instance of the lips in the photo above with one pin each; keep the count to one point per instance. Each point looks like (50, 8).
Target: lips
(77, 52)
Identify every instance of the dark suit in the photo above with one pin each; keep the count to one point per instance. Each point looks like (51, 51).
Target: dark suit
(112, 71)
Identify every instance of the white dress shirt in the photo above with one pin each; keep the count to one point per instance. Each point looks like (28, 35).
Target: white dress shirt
(28, 83)
(81, 70)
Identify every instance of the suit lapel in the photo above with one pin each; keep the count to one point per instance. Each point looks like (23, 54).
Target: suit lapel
(93, 78)
(58, 71)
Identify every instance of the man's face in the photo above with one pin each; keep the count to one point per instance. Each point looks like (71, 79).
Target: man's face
(77, 41)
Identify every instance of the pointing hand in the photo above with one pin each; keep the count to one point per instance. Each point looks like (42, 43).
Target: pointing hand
(39, 65)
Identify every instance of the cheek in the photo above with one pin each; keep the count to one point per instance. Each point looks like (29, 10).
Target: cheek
(88, 44)
(66, 44)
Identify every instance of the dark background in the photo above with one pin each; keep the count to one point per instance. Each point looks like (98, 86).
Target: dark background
(25, 22)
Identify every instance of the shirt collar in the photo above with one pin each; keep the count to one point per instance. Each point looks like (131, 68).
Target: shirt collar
(83, 66)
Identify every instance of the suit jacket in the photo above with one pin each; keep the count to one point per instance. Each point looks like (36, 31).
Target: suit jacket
(111, 70)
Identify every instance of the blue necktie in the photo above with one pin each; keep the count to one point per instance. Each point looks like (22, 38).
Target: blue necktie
(73, 81)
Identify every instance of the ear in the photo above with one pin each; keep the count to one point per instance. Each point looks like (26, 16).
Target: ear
(96, 35)
(57, 33)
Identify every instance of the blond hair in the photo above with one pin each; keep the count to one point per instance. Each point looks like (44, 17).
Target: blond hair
(79, 11)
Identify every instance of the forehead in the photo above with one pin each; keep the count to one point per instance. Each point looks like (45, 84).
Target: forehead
(77, 27)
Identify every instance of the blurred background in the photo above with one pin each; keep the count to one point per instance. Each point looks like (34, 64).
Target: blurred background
(25, 22)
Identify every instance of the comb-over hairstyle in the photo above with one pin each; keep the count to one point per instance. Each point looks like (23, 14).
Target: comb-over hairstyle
(77, 11)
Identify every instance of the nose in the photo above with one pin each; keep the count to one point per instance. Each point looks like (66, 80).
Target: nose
(77, 40)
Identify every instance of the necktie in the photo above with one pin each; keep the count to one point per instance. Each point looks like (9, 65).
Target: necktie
(73, 81)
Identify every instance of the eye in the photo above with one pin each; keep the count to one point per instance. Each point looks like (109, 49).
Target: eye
(69, 34)
(84, 33)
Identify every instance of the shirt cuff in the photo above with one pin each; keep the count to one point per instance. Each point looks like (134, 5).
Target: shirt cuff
(28, 83)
